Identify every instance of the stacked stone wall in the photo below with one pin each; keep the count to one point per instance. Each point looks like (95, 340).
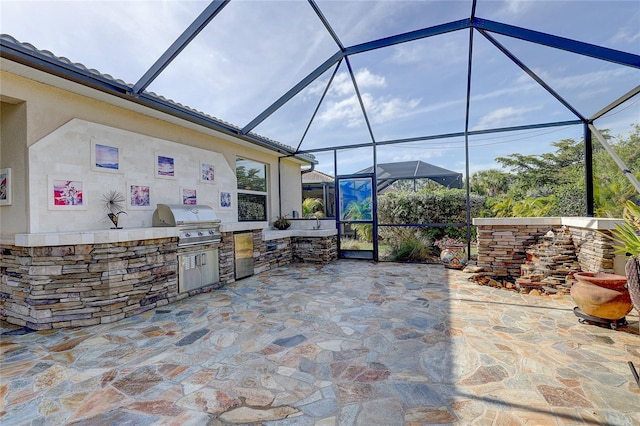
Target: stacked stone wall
(227, 258)
(502, 248)
(271, 254)
(595, 251)
(88, 284)
(315, 250)
(69, 286)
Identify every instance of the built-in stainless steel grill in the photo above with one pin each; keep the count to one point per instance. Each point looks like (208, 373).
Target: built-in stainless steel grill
(197, 224)
(198, 263)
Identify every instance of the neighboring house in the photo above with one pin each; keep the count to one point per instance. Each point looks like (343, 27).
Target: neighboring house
(319, 185)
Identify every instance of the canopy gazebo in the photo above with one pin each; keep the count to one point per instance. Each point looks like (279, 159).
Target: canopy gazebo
(388, 173)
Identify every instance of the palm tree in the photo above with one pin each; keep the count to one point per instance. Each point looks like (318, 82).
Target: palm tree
(312, 207)
(490, 182)
(361, 210)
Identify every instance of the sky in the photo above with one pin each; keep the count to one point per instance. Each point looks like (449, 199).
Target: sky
(255, 51)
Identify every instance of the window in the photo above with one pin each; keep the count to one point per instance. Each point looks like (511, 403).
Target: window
(252, 190)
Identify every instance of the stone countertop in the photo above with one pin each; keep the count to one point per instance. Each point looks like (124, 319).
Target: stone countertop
(242, 226)
(100, 236)
(579, 222)
(106, 236)
(274, 234)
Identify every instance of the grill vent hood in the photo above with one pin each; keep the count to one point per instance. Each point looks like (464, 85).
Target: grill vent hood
(180, 215)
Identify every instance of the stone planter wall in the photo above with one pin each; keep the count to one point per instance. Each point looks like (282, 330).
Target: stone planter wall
(502, 243)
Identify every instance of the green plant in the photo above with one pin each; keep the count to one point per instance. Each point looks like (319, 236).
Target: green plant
(364, 231)
(312, 207)
(361, 210)
(411, 249)
(627, 234)
(281, 222)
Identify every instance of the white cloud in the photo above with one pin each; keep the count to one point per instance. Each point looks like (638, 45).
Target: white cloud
(342, 85)
(385, 111)
(342, 104)
(379, 110)
(515, 7)
(438, 52)
(626, 35)
(346, 110)
(587, 80)
(502, 117)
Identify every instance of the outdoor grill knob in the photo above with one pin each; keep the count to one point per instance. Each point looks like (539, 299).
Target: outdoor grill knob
(187, 234)
(200, 234)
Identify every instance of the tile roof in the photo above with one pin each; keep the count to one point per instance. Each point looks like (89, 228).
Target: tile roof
(58, 65)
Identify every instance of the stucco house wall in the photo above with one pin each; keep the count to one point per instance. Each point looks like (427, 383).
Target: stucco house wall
(48, 132)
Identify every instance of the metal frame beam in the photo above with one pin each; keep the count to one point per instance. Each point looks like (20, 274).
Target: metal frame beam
(179, 44)
(364, 110)
(581, 48)
(613, 105)
(623, 167)
(326, 24)
(531, 74)
(326, 65)
(588, 172)
(444, 136)
(315, 112)
(466, 142)
(409, 36)
(359, 48)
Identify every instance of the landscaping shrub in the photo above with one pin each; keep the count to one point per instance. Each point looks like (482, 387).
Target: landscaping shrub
(408, 246)
(426, 206)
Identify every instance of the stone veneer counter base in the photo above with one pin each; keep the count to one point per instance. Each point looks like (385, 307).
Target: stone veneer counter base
(71, 279)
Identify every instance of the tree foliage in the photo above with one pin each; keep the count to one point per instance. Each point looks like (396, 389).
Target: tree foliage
(444, 206)
(553, 183)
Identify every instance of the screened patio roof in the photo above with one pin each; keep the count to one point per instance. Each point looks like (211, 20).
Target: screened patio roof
(306, 76)
(388, 173)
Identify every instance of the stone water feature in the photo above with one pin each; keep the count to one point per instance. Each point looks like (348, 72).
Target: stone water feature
(550, 264)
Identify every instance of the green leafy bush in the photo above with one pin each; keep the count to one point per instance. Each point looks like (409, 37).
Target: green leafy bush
(627, 234)
(443, 206)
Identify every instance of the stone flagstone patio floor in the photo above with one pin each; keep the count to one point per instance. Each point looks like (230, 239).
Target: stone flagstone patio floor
(348, 343)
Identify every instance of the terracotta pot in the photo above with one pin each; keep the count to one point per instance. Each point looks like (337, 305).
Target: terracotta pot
(454, 257)
(601, 295)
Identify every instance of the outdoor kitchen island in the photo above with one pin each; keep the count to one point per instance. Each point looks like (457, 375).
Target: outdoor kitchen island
(74, 279)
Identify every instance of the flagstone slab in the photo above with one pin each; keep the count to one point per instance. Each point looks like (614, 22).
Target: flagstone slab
(347, 343)
(252, 415)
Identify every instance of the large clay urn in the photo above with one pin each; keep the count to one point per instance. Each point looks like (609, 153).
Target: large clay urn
(601, 295)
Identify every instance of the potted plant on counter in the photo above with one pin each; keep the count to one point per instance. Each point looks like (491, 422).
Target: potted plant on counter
(281, 223)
